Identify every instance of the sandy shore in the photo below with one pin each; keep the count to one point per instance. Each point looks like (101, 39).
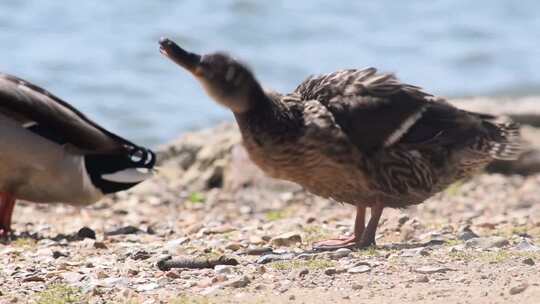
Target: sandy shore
(477, 242)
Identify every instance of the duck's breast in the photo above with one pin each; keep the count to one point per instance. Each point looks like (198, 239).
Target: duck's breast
(36, 169)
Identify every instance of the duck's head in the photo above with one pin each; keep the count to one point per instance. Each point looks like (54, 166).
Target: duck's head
(226, 80)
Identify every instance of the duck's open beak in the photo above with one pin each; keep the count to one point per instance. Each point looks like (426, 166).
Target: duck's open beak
(185, 59)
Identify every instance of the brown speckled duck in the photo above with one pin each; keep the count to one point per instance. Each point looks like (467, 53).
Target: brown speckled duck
(357, 136)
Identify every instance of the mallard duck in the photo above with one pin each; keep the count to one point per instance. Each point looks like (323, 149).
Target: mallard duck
(51, 152)
(357, 136)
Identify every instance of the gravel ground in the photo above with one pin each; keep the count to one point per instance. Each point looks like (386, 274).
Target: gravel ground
(477, 242)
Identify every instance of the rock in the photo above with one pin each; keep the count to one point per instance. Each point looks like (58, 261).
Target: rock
(528, 261)
(140, 255)
(71, 277)
(233, 246)
(486, 242)
(526, 245)
(218, 230)
(302, 272)
(414, 252)
(422, 279)
(340, 253)
(223, 269)
(287, 239)
(173, 274)
(359, 269)
(58, 254)
(357, 286)
(518, 288)
(330, 271)
(258, 250)
(173, 244)
(466, 233)
(238, 282)
(33, 278)
(432, 269)
(86, 233)
(124, 230)
(100, 245)
(147, 287)
(274, 257)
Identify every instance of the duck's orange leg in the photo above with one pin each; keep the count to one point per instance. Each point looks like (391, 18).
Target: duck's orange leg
(346, 242)
(7, 203)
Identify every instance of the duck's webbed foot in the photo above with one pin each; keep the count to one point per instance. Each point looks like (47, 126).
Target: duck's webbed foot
(333, 244)
(345, 242)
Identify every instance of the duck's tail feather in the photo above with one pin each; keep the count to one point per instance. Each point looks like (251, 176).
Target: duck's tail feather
(504, 140)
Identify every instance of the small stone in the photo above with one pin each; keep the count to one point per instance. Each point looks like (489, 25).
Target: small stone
(302, 272)
(124, 230)
(72, 277)
(529, 261)
(287, 239)
(466, 233)
(518, 288)
(173, 274)
(486, 242)
(34, 278)
(173, 244)
(292, 298)
(330, 271)
(218, 230)
(357, 286)
(86, 233)
(205, 282)
(100, 245)
(258, 250)
(432, 269)
(147, 287)
(58, 254)
(526, 245)
(274, 257)
(238, 282)
(140, 255)
(422, 279)
(223, 269)
(233, 246)
(359, 269)
(340, 253)
(414, 252)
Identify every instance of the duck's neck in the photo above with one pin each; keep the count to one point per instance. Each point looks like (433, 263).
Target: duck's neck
(267, 115)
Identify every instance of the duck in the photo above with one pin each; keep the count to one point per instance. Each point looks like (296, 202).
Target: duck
(356, 136)
(51, 152)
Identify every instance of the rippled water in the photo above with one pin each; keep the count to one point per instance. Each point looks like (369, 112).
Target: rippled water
(102, 55)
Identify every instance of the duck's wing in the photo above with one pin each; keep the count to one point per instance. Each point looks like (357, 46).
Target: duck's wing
(47, 115)
(377, 110)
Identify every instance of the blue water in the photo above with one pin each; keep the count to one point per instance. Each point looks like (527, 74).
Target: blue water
(102, 56)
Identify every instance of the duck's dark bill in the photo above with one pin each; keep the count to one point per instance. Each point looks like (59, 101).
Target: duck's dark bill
(180, 56)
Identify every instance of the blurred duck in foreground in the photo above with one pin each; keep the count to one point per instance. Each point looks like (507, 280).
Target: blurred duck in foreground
(51, 152)
(356, 136)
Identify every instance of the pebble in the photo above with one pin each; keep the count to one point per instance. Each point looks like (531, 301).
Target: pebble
(330, 271)
(86, 233)
(518, 288)
(34, 278)
(71, 277)
(223, 269)
(414, 252)
(526, 245)
(487, 242)
(432, 269)
(100, 245)
(529, 261)
(258, 250)
(233, 246)
(422, 279)
(357, 286)
(286, 239)
(124, 230)
(147, 287)
(274, 257)
(238, 282)
(58, 254)
(359, 269)
(466, 233)
(340, 253)
(302, 272)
